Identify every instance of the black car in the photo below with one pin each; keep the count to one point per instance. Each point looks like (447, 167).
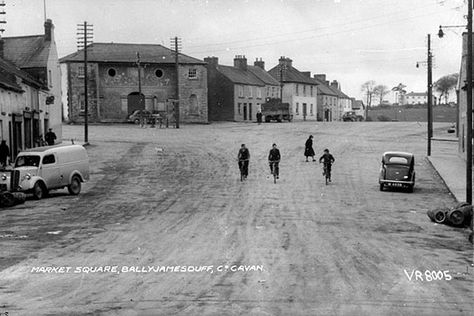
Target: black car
(397, 170)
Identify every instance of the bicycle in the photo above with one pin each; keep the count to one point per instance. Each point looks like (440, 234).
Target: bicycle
(274, 168)
(326, 172)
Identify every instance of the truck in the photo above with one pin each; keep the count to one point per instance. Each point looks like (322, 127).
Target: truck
(275, 110)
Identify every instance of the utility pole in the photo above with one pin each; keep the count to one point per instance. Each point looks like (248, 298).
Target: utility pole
(176, 42)
(469, 106)
(139, 81)
(430, 97)
(83, 40)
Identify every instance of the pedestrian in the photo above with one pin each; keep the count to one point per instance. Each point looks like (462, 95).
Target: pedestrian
(50, 137)
(244, 157)
(308, 148)
(259, 117)
(4, 153)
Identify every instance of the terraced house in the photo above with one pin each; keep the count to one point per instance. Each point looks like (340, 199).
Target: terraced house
(299, 89)
(30, 99)
(126, 77)
(235, 93)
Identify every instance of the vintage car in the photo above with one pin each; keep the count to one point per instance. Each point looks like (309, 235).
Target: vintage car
(397, 170)
(135, 116)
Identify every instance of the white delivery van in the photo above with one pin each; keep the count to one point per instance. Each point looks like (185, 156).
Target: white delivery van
(39, 170)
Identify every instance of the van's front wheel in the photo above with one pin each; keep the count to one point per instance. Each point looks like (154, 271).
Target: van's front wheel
(75, 187)
(39, 191)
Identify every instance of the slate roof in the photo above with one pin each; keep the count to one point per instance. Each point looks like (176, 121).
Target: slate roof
(127, 53)
(263, 75)
(324, 89)
(240, 76)
(291, 74)
(416, 94)
(27, 51)
(8, 74)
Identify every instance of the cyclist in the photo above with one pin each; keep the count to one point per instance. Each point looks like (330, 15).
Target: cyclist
(244, 157)
(274, 160)
(328, 160)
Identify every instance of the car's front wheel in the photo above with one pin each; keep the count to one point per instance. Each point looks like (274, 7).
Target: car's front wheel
(39, 191)
(75, 187)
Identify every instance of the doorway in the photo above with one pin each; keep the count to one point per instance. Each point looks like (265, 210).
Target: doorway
(135, 101)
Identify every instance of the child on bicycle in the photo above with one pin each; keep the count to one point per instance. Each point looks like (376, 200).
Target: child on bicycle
(244, 157)
(328, 160)
(274, 159)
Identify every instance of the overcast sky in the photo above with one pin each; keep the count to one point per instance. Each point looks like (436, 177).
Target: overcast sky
(351, 41)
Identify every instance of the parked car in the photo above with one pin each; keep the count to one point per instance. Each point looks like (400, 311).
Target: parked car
(137, 114)
(39, 170)
(397, 170)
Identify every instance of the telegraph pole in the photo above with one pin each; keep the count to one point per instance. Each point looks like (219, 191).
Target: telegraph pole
(176, 42)
(469, 106)
(139, 80)
(84, 39)
(430, 97)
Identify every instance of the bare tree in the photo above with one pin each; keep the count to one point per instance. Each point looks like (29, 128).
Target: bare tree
(381, 91)
(444, 85)
(368, 89)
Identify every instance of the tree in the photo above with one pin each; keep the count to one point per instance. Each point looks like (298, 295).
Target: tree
(445, 85)
(380, 91)
(368, 89)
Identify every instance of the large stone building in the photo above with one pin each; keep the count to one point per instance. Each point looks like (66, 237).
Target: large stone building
(327, 99)
(299, 89)
(30, 99)
(115, 88)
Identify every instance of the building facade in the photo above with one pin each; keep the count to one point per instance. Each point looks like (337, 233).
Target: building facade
(123, 78)
(34, 104)
(299, 89)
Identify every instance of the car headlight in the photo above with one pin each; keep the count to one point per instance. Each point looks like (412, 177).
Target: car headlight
(4, 177)
(405, 177)
(28, 176)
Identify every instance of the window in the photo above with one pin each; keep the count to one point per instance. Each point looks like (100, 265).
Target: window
(159, 73)
(80, 71)
(239, 108)
(311, 109)
(297, 108)
(192, 73)
(311, 90)
(304, 90)
(250, 92)
(241, 91)
(268, 91)
(48, 159)
(111, 72)
(259, 93)
(297, 88)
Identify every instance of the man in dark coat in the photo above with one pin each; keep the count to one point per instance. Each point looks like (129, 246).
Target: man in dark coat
(308, 148)
(274, 160)
(259, 117)
(4, 153)
(50, 137)
(244, 157)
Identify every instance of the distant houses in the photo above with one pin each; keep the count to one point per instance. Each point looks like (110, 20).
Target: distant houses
(30, 89)
(128, 77)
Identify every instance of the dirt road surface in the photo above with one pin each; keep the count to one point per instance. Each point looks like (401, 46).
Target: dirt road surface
(166, 227)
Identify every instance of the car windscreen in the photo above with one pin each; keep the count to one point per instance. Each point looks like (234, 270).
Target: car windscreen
(27, 161)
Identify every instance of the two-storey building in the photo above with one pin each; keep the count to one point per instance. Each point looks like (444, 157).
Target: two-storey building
(123, 78)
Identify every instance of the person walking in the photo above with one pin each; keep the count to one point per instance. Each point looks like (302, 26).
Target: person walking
(259, 117)
(4, 153)
(244, 157)
(308, 148)
(50, 137)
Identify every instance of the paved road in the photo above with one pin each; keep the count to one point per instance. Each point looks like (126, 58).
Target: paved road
(169, 229)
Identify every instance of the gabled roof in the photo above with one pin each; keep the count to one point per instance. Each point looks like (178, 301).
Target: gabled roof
(291, 74)
(8, 74)
(263, 75)
(324, 89)
(339, 93)
(240, 76)
(27, 51)
(127, 53)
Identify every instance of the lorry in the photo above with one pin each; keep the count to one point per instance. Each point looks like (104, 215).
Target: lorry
(275, 110)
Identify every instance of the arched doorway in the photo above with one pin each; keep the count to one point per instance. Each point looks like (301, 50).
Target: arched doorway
(135, 101)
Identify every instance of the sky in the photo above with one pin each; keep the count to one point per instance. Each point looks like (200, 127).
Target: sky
(351, 41)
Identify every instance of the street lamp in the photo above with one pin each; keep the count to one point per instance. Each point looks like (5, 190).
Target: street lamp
(468, 99)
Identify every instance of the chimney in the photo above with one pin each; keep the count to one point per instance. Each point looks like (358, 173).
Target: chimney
(320, 77)
(259, 63)
(326, 82)
(212, 61)
(336, 85)
(306, 73)
(48, 30)
(240, 62)
(285, 61)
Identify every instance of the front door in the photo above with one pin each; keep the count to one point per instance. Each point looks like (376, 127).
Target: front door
(135, 101)
(250, 111)
(304, 111)
(245, 111)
